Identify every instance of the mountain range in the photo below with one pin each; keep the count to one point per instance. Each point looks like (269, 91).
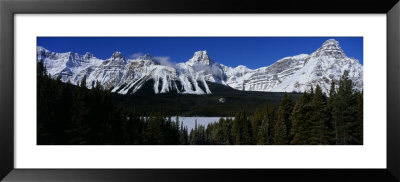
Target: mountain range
(126, 76)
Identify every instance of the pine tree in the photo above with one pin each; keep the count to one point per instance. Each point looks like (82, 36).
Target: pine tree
(153, 130)
(80, 129)
(53, 108)
(301, 117)
(331, 124)
(193, 136)
(284, 122)
(256, 121)
(280, 137)
(62, 110)
(183, 135)
(319, 130)
(271, 118)
(133, 129)
(83, 82)
(41, 69)
(344, 111)
(358, 134)
(264, 135)
(117, 118)
(241, 132)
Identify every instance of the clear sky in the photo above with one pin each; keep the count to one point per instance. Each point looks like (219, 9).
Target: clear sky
(253, 52)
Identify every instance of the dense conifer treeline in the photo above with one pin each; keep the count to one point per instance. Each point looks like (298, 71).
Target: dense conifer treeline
(68, 114)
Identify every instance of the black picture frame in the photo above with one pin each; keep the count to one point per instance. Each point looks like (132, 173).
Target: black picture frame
(8, 8)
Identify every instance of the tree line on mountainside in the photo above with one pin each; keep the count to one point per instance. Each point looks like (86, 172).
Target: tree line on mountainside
(223, 102)
(75, 115)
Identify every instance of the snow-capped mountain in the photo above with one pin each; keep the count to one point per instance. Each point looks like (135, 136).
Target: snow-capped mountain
(126, 76)
(321, 67)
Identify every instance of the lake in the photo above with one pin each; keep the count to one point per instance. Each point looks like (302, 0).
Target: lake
(190, 121)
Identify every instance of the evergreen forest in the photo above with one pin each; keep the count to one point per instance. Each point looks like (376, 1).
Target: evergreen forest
(68, 114)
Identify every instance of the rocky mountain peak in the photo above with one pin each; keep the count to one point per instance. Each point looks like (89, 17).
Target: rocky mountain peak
(117, 55)
(331, 42)
(41, 49)
(330, 48)
(147, 57)
(201, 57)
(87, 55)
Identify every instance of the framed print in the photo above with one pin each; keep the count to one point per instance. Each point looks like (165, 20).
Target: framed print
(121, 91)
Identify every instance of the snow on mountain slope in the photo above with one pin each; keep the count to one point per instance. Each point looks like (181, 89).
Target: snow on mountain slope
(70, 66)
(324, 65)
(297, 73)
(202, 67)
(266, 78)
(300, 73)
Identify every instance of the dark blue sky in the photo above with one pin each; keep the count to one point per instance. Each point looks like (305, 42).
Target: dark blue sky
(252, 52)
